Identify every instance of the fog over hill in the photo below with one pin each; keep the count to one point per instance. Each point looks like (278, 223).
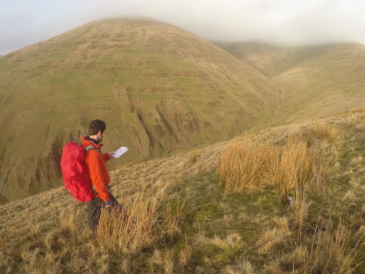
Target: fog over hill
(281, 22)
(159, 88)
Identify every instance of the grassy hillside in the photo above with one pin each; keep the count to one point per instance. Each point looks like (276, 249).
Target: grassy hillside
(314, 80)
(323, 80)
(270, 60)
(213, 210)
(159, 89)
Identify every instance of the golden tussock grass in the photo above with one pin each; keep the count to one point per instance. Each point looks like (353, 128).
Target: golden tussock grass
(321, 132)
(248, 166)
(291, 166)
(144, 222)
(294, 170)
(258, 165)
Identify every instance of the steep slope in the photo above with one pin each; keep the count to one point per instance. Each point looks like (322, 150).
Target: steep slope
(215, 231)
(322, 80)
(314, 80)
(159, 88)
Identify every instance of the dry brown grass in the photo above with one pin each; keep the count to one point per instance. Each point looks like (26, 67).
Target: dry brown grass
(289, 165)
(146, 223)
(271, 238)
(321, 132)
(328, 251)
(59, 240)
(248, 166)
(243, 267)
(323, 251)
(163, 260)
(294, 172)
(251, 166)
(180, 221)
(298, 170)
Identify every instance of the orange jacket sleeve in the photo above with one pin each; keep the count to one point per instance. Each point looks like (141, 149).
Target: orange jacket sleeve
(106, 157)
(98, 173)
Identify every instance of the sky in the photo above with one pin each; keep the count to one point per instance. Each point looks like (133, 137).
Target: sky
(282, 22)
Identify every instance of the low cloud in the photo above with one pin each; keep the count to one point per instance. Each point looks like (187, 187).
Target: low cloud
(287, 22)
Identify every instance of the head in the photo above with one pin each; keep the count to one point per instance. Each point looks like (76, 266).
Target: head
(96, 129)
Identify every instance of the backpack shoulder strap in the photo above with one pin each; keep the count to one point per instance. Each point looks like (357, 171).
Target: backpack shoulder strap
(90, 147)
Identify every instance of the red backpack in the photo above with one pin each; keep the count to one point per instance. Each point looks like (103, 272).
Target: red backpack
(74, 171)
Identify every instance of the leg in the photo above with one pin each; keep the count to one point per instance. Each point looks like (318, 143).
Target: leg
(93, 213)
(94, 210)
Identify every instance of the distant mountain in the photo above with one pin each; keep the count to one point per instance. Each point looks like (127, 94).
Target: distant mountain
(266, 58)
(314, 80)
(158, 87)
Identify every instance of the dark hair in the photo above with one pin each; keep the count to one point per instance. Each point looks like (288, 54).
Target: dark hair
(96, 126)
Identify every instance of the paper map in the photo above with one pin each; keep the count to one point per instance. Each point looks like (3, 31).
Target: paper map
(120, 152)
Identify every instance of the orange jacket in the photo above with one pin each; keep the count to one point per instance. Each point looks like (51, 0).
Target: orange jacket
(97, 169)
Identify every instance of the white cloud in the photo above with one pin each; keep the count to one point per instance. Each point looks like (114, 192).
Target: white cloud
(275, 21)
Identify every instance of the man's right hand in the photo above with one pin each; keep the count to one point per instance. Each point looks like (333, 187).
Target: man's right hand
(109, 203)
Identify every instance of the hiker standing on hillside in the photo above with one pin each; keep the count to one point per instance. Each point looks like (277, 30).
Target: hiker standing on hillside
(98, 173)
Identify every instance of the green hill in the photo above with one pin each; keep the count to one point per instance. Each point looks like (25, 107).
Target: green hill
(159, 88)
(323, 80)
(266, 58)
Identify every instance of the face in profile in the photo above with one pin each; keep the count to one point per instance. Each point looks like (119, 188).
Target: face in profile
(100, 136)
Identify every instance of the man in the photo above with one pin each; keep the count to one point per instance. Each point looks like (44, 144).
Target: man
(98, 173)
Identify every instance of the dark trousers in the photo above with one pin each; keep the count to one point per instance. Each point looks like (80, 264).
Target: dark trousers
(94, 207)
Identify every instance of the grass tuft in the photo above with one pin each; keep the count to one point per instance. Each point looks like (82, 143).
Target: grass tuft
(146, 223)
(247, 166)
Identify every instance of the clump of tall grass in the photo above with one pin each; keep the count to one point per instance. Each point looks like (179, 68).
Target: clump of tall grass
(321, 132)
(145, 222)
(294, 170)
(248, 166)
(291, 166)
